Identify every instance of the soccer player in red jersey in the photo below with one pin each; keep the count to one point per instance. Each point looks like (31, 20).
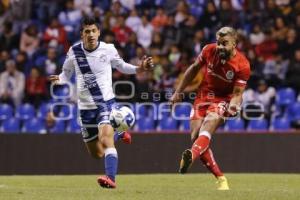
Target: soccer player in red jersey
(226, 71)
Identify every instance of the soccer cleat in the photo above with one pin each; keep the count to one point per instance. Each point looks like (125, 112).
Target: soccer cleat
(222, 183)
(106, 182)
(126, 138)
(186, 161)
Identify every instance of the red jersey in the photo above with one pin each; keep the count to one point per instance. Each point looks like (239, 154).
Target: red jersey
(220, 78)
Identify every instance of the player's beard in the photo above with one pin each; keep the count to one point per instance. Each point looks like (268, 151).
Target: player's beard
(224, 54)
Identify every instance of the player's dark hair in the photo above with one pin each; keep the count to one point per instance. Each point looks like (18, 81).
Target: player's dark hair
(88, 21)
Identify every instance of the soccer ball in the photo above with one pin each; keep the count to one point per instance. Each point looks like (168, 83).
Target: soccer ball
(121, 118)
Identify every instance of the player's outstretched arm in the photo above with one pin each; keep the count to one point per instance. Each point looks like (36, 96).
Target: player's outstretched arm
(189, 75)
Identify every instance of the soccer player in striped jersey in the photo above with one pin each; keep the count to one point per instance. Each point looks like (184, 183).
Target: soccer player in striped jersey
(93, 60)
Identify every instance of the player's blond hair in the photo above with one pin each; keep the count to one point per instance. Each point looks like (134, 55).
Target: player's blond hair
(226, 30)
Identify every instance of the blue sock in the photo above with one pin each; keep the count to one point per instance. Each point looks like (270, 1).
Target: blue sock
(111, 163)
(118, 136)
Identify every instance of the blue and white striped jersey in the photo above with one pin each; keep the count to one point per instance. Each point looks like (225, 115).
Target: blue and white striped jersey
(93, 72)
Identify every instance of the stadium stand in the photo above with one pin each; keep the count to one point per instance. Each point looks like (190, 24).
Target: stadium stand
(177, 31)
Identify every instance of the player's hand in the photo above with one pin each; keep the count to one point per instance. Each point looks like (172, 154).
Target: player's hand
(54, 79)
(233, 110)
(147, 63)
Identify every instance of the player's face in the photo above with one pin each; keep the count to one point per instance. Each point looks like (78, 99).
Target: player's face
(90, 35)
(225, 46)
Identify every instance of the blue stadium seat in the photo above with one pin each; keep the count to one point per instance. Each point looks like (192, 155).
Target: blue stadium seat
(280, 124)
(25, 111)
(62, 92)
(141, 110)
(145, 124)
(6, 111)
(34, 125)
(66, 112)
(184, 125)
(167, 123)
(294, 111)
(43, 110)
(73, 126)
(11, 125)
(260, 124)
(235, 125)
(285, 96)
(164, 110)
(59, 127)
(183, 110)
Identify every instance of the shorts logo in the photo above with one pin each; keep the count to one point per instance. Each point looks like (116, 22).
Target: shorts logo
(229, 74)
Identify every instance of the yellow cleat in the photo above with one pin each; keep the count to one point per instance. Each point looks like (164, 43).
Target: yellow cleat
(222, 183)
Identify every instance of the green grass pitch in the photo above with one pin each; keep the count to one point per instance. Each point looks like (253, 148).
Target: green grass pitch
(152, 187)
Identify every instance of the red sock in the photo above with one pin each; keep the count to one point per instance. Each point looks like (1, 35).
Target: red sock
(209, 161)
(201, 144)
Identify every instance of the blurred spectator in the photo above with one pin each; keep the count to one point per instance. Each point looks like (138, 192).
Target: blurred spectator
(293, 72)
(174, 54)
(144, 32)
(133, 20)
(12, 84)
(84, 6)
(128, 4)
(131, 47)
(9, 40)
(170, 32)
(111, 17)
(20, 10)
(55, 36)
(268, 48)
(289, 45)
(70, 18)
(157, 46)
(36, 89)
(4, 56)
(187, 31)
(121, 31)
(22, 63)
(226, 14)
(51, 65)
(30, 40)
(160, 19)
(182, 12)
(257, 36)
(165, 85)
(275, 70)
(280, 29)
(198, 42)
(47, 9)
(265, 95)
(210, 20)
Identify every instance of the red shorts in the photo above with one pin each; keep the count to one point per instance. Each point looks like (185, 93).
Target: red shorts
(203, 106)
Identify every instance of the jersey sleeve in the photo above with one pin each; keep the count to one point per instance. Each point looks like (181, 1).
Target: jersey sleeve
(243, 74)
(118, 63)
(67, 68)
